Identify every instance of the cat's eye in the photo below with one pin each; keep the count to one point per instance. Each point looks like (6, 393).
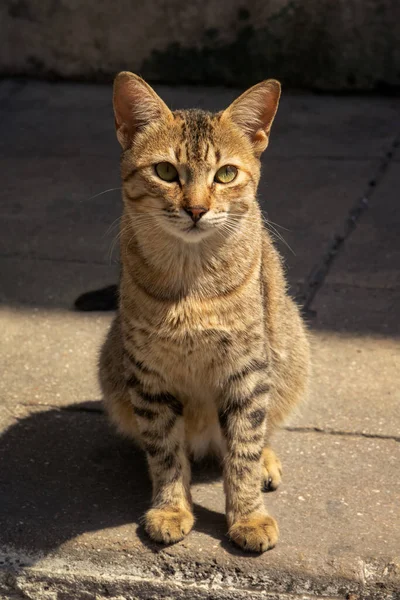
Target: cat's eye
(226, 174)
(166, 171)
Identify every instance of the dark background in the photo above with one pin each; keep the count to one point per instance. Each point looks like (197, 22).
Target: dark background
(313, 44)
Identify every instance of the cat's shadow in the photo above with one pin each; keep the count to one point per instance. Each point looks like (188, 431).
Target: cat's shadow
(64, 472)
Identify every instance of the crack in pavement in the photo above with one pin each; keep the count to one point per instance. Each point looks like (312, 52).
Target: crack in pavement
(316, 278)
(311, 429)
(307, 429)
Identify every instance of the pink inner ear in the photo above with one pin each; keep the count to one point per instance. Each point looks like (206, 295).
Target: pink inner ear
(254, 111)
(126, 99)
(268, 113)
(135, 103)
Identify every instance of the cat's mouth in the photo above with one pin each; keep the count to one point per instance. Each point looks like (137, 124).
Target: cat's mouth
(195, 228)
(187, 231)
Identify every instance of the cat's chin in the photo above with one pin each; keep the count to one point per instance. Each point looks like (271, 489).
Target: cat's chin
(191, 235)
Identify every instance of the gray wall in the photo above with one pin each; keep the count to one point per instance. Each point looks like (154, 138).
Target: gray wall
(322, 44)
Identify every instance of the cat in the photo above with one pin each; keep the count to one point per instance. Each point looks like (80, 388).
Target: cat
(207, 353)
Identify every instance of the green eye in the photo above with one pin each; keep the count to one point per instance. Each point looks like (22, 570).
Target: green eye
(226, 174)
(166, 171)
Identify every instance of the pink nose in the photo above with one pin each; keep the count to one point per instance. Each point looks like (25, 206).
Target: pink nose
(196, 212)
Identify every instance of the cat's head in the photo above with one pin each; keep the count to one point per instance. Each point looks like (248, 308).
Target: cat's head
(192, 173)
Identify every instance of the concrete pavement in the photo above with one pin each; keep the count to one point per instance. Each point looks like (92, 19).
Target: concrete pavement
(71, 491)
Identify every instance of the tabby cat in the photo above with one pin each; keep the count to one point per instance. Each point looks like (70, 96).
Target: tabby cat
(207, 352)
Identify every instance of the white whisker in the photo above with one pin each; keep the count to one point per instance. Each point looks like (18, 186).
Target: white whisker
(101, 193)
(279, 236)
(280, 226)
(112, 226)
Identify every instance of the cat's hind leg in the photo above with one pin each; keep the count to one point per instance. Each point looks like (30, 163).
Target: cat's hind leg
(271, 470)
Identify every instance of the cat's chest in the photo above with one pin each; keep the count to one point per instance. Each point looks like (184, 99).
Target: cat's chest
(198, 342)
(195, 348)
(202, 331)
(194, 364)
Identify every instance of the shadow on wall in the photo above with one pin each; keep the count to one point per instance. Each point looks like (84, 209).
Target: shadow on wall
(65, 472)
(316, 44)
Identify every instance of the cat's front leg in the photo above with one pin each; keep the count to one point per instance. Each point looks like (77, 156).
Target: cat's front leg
(242, 415)
(161, 432)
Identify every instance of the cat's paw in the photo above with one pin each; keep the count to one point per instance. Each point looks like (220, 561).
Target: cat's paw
(271, 471)
(169, 524)
(256, 533)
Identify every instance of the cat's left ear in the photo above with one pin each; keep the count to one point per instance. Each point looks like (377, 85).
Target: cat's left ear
(254, 112)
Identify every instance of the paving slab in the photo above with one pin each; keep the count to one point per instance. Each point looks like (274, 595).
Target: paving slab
(50, 210)
(305, 201)
(358, 325)
(371, 257)
(45, 282)
(56, 351)
(356, 363)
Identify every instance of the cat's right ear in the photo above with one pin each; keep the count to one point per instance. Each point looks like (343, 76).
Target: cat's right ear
(135, 105)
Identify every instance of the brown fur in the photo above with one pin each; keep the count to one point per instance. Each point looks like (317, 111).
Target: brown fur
(207, 352)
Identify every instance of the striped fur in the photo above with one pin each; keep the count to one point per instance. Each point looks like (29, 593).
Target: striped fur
(207, 352)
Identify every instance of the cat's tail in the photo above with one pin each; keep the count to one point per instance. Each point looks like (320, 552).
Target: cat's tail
(104, 299)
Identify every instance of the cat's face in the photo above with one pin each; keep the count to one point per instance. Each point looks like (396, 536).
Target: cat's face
(190, 173)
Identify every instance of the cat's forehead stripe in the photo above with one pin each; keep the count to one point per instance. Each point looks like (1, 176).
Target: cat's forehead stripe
(196, 133)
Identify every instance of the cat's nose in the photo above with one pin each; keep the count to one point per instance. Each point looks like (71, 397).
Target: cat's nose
(196, 212)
